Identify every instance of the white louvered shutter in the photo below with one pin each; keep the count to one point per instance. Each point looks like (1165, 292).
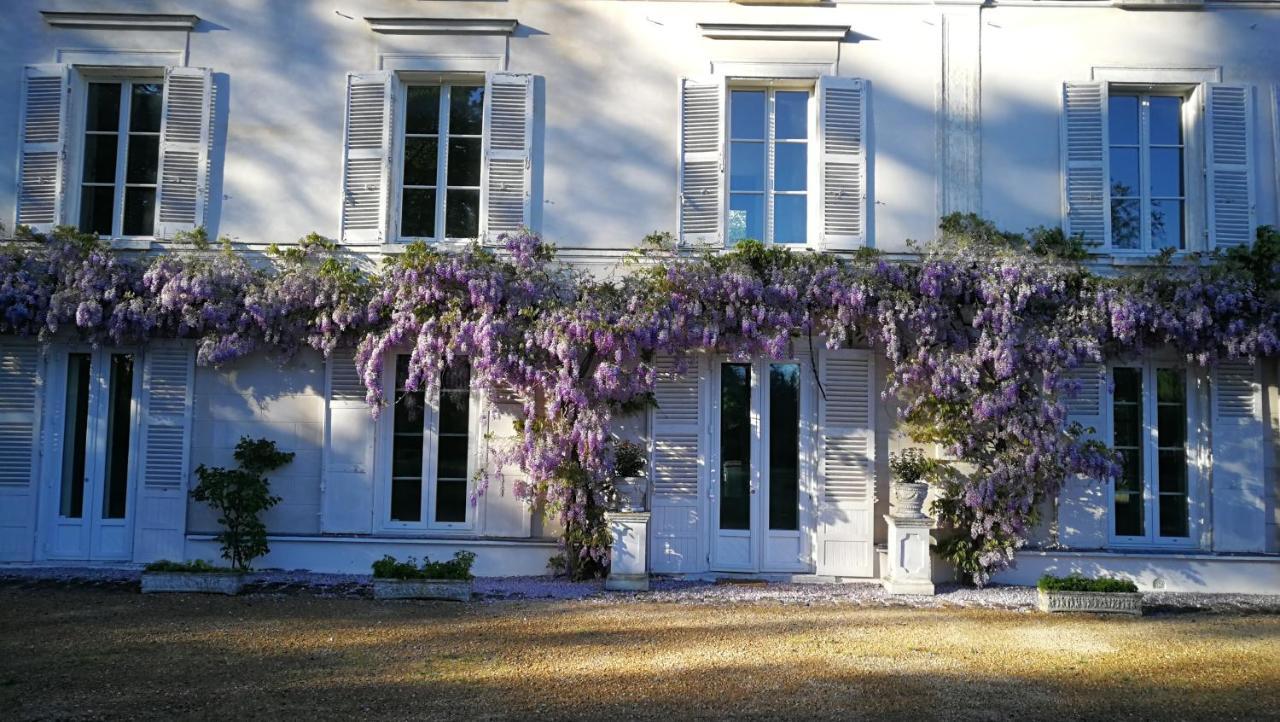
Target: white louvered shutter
(346, 489)
(165, 453)
(1229, 164)
(1082, 509)
(508, 144)
(42, 158)
(185, 134)
(842, 123)
(19, 429)
(701, 182)
(1238, 476)
(846, 464)
(676, 468)
(1086, 197)
(366, 168)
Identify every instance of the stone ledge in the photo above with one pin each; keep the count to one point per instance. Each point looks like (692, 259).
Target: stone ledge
(1091, 602)
(120, 21)
(450, 589)
(192, 583)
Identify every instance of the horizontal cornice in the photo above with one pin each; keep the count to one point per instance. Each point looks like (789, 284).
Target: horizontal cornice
(772, 31)
(120, 21)
(441, 26)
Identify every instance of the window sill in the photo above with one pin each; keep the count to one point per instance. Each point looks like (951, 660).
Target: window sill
(132, 244)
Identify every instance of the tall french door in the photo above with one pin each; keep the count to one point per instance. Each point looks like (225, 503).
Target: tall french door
(90, 484)
(760, 481)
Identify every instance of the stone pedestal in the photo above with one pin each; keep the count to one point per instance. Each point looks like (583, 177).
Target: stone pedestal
(629, 565)
(910, 565)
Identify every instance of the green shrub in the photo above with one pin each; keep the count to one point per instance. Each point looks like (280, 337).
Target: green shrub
(628, 459)
(1077, 583)
(239, 496)
(459, 568)
(199, 566)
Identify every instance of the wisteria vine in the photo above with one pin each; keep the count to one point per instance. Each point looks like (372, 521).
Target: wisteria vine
(982, 331)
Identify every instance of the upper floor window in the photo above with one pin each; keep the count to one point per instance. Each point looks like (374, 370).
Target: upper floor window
(121, 158)
(769, 165)
(441, 167)
(1147, 161)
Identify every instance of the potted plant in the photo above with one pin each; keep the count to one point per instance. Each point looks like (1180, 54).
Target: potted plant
(631, 486)
(1076, 593)
(393, 579)
(911, 470)
(239, 496)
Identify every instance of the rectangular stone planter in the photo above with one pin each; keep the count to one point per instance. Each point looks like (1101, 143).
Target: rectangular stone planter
(451, 589)
(1092, 602)
(192, 582)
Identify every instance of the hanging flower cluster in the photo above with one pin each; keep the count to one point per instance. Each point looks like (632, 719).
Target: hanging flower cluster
(985, 333)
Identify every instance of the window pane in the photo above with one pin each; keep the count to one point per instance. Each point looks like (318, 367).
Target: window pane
(735, 446)
(746, 114)
(1125, 181)
(791, 114)
(422, 112)
(464, 162)
(119, 418)
(406, 457)
(144, 108)
(746, 166)
(1166, 172)
(1122, 114)
(95, 209)
(406, 448)
(1166, 120)
(1173, 471)
(790, 216)
(100, 158)
(1171, 425)
(452, 462)
(462, 214)
(1128, 424)
(1126, 413)
(418, 213)
(784, 446)
(1174, 519)
(1126, 224)
(1166, 224)
(75, 436)
(420, 161)
(451, 501)
(746, 216)
(144, 158)
(406, 500)
(1171, 387)
(103, 107)
(454, 412)
(791, 170)
(466, 110)
(1128, 385)
(139, 211)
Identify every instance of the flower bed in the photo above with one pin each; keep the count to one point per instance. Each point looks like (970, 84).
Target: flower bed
(196, 577)
(451, 580)
(1077, 594)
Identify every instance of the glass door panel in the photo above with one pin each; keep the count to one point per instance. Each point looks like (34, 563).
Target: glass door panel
(735, 446)
(784, 447)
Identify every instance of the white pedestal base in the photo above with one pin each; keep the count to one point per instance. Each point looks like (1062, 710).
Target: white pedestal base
(629, 564)
(910, 564)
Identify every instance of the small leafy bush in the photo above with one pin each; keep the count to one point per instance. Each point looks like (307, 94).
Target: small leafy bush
(911, 466)
(198, 566)
(1077, 583)
(628, 459)
(240, 496)
(458, 568)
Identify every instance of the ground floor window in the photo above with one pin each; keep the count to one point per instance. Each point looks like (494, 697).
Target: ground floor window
(430, 451)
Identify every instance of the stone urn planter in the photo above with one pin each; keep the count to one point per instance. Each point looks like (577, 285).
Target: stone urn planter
(632, 493)
(1091, 602)
(456, 590)
(907, 499)
(230, 583)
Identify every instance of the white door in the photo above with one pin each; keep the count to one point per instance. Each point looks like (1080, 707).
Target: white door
(94, 431)
(760, 484)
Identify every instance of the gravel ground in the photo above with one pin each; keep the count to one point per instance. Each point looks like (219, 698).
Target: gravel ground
(69, 650)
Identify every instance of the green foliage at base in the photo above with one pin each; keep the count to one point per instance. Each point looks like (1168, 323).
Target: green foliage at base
(199, 566)
(240, 496)
(458, 568)
(1077, 583)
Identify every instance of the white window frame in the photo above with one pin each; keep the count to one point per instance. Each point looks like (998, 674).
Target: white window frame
(812, 190)
(1150, 459)
(77, 125)
(430, 443)
(403, 81)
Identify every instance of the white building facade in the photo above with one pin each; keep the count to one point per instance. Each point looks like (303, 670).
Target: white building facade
(834, 126)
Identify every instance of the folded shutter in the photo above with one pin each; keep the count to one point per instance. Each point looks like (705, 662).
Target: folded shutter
(1229, 164)
(846, 464)
(1086, 196)
(1239, 491)
(346, 488)
(366, 168)
(19, 427)
(167, 385)
(676, 468)
(185, 134)
(508, 139)
(42, 165)
(1083, 515)
(842, 120)
(701, 182)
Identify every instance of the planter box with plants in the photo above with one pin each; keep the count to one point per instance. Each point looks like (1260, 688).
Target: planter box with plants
(1078, 594)
(197, 577)
(449, 580)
